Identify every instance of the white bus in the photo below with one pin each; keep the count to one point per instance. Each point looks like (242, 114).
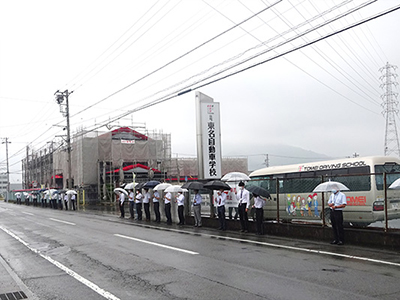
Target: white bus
(364, 176)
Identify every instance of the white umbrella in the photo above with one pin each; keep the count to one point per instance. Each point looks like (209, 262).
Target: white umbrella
(161, 186)
(395, 185)
(130, 186)
(174, 189)
(17, 194)
(235, 176)
(25, 194)
(330, 185)
(120, 190)
(70, 192)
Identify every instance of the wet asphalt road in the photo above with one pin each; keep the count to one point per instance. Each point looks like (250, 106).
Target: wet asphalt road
(77, 255)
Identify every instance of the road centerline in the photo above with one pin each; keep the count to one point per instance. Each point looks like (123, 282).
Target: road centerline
(156, 244)
(61, 221)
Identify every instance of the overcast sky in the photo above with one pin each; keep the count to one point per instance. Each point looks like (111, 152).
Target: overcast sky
(119, 55)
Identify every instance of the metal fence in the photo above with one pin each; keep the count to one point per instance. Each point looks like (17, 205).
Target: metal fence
(369, 200)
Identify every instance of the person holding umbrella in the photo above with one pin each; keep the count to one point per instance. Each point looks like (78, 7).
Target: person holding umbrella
(146, 204)
(243, 197)
(167, 208)
(221, 198)
(337, 201)
(197, 208)
(131, 203)
(139, 198)
(121, 198)
(258, 205)
(156, 203)
(180, 199)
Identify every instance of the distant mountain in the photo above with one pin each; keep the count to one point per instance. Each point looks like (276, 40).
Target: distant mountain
(277, 155)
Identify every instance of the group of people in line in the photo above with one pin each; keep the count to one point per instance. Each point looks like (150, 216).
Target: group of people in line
(54, 201)
(142, 201)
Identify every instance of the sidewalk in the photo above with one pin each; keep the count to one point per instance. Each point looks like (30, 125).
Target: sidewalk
(11, 287)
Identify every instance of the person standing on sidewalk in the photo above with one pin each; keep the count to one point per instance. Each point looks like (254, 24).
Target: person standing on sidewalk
(180, 199)
(131, 204)
(197, 208)
(121, 199)
(146, 204)
(258, 205)
(243, 197)
(221, 198)
(167, 208)
(139, 198)
(156, 203)
(337, 201)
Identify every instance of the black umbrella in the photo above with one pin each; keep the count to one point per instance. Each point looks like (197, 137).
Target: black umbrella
(259, 191)
(150, 184)
(139, 186)
(217, 185)
(193, 185)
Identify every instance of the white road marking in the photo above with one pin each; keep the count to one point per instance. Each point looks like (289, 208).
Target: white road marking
(156, 244)
(28, 213)
(307, 250)
(75, 275)
(61, 221)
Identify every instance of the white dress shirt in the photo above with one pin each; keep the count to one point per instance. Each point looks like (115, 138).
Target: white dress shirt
(243, 196)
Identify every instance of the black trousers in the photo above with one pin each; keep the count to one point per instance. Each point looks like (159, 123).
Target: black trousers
(244, 220)
(180, 215)
(139, 210)
(168, 213)
(122, 210)
(157, 211)
(73, 202)
(259, 220)
(131, 209)
(221, 217)
(147, 210)
(337, 225)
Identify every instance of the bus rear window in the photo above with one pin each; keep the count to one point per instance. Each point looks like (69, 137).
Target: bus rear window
(392, 171)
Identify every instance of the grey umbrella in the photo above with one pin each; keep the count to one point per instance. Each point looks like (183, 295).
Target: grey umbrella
(193, 185)
(216, 185)
(259, 191)
(151, 184)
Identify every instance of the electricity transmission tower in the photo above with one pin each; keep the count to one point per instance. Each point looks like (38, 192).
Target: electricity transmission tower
(390, 109)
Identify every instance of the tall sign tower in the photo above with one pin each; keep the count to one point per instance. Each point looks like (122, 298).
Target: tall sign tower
(390, 109)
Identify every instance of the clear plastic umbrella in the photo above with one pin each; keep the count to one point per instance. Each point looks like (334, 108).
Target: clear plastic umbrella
(174, 189)
(235, 177)
(329, 186)
(395, 185)
(120, 190)
(130, 186)
(161, 186)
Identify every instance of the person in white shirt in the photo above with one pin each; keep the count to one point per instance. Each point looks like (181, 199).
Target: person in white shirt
(146, 204)
(66, 201)
(337, 201)
(167, 208)
(156, 203)
(73, 201)
(243, 197)
(197, 208)
(121, 204)
(258, 205)
(131, 204)
(220, 202)
(138, 201)
(180, 199)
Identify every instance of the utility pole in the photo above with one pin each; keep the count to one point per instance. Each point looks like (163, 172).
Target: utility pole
(64, 109)
(5, 141)
(390, 111)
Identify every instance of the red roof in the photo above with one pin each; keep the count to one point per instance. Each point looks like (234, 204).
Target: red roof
(130, 167)
(128, 130)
